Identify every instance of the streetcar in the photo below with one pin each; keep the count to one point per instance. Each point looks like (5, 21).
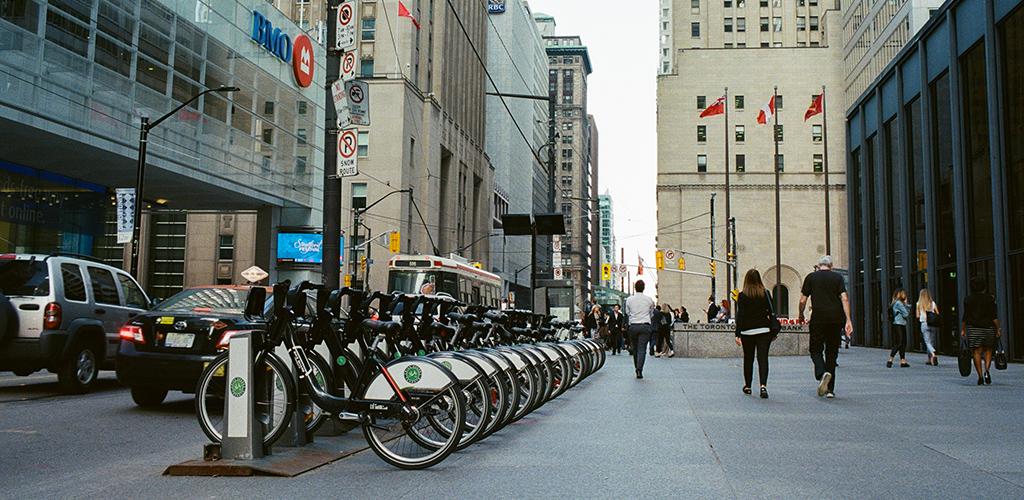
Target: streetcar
(438, 275)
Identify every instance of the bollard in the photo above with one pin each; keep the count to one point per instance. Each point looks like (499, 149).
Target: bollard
(243, 434)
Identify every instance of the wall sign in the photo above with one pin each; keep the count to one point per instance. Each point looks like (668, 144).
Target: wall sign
(298, 52)
(496, 6)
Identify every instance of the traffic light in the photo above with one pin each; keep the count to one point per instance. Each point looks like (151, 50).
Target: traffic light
(348, 280)
(713, 267)
(395, 243)
(735, 294)
(682, 263)
(606, 272)
(659, 260)
(362, 263)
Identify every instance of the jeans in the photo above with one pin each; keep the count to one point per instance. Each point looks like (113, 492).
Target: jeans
(653, 339)
(640, 337)
(824, 339)
(928, 334)
(899, 341)
(756, 345)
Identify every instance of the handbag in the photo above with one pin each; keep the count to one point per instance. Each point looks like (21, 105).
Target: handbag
(964, 359)
(933, 319)
(774, 325)
(1000, 359)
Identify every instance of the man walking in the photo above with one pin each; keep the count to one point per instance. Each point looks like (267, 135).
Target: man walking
(616, 323)
(827, 291)
(639, 308)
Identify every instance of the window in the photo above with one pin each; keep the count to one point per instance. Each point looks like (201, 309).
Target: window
(695, 30)
(776, 44)
(765, 44)
(741, 133)
(741, 24)
(369, 29)
(702, 102)
(741, 163)
(728, 45)
(133, 296)
(801, 23)
(566, 139)
(566, 154)
(741, 4)
(739, 102)
(301, 106)
(776, 3)
(728, 25)
(358, 195)
(695, 4)
(226, 249)
(104, 291)
(702, 133)
(300, 164)
(764, 3)
(727, 4)
(566, 208)
(780, 162)
(567, 126)
(566, 181)
(778, 133)
(818, 163)
(301, 134)
(740, 45)
(812, 3)
(366, 68)
(74, 285)
(816, 133)
(363, 144)
(567, 166)
(702, 163)
(268, 108)
(764, 24)
(268, 135)
(814, 23)
(777, 24)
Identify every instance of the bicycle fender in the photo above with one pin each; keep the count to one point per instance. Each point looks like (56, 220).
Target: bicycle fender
(411, 373)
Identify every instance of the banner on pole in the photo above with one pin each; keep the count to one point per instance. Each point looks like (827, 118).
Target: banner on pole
(125, 198)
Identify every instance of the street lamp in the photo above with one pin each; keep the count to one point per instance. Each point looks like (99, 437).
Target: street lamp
(140, 172)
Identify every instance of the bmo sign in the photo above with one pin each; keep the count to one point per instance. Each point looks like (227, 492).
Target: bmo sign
(298, 52)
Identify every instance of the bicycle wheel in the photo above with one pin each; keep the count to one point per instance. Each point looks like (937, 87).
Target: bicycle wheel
(433, 398)
(274, 404)
(475, 391)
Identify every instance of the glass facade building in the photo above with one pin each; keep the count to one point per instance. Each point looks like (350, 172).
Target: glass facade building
(76, 76)
(936, 173)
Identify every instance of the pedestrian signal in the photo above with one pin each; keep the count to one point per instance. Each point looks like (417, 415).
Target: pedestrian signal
(659, 260)
(395, 243)
(713, 266)
(682, 264)
(606, 272)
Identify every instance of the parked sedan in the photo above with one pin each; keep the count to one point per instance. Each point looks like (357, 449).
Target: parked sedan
(167, 348)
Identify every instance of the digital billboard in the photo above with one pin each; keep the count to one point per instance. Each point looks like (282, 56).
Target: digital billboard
(302, 248)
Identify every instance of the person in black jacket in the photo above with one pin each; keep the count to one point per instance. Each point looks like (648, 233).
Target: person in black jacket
(753, 332)
(616, 326)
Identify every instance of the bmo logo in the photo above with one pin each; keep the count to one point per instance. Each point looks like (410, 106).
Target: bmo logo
(298, 52)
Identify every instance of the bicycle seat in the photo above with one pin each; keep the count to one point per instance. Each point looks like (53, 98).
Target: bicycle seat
(496, 316)
(385, 327)
(463, 318)
(443, 329)
(547, 331)
(523, 332)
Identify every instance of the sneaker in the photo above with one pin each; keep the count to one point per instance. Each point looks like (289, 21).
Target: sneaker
(830, 395)
(823, 385)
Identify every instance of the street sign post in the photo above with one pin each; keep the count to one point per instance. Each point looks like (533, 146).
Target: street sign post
(358, 98)
(348, 144)
(341, 107)
(345, 29)
(254, 274)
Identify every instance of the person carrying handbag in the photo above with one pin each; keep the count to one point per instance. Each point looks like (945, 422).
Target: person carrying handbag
(756, 328)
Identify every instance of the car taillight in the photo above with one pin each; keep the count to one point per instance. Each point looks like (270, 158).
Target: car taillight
(132, 334)
(51, 316)
(225, 338)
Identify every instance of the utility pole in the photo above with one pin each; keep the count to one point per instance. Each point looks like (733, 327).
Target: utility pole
(713, 240)
(331, 266)
(728, 201)
(824, 133)
(778, 209)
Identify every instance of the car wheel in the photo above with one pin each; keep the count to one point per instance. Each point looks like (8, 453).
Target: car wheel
(148, 396)
(78, 373)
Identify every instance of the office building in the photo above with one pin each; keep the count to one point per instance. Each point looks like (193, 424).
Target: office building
(77, 76)
(519, 65)
(936, 173)
(751, 47)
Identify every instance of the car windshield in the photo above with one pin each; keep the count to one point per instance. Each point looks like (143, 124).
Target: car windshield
(206, 300)
(24, 277)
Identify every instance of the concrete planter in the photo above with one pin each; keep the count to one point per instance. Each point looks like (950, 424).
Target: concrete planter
(718, 341)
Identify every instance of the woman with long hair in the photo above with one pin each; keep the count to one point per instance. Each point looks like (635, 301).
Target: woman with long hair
(900, 314)
(665, 345)
(980, 326)
(753, 329)
(926, 305)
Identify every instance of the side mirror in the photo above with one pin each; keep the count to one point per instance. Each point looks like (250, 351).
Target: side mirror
(255, 301)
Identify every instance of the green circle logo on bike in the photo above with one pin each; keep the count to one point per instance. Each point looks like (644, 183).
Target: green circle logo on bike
(237, 387)
(446, 364)
(413, 374)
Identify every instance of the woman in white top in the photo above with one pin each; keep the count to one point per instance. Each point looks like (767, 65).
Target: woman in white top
(926, 305)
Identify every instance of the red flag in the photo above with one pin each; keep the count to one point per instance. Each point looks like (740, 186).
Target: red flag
(815, 107)
(640, 268)
(716, 108)
(766, 113)
(404, 12)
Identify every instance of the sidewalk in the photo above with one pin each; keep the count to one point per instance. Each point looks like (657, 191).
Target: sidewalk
(686, 431)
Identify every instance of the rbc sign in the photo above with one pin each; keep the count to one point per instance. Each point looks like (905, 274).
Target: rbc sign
(299, 52)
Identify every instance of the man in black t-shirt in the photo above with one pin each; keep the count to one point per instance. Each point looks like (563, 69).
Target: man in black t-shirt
(827, 291)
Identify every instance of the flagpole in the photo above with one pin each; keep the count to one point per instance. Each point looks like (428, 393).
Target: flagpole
(778, 209)
(824, 133)
(728, 206)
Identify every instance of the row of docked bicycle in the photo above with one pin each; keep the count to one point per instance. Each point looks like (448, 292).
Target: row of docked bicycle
(437, 378)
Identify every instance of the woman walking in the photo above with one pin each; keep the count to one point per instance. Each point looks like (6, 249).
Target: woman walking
(753, 332)
(926, 305)
(665, 347)
(900, 314)
(980, 325)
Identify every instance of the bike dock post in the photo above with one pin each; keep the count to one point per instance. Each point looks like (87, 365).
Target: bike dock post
(296, 434)
(243, 436)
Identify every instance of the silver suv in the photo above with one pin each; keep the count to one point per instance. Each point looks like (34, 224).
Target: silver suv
(63, 313)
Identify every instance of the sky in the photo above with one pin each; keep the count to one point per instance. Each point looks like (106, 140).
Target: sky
(623, 45)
